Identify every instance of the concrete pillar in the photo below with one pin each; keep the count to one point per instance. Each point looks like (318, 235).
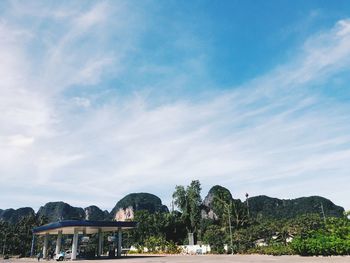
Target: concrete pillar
(32, 247)
(100, 243)
(46, 244)
(58, 242)
(190, 239)
(119, 251)
(75, 245)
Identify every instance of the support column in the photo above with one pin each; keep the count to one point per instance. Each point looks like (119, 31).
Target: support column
(119, 251)
(46, 243)
(32, 247)
(190, 239)
(100, 243)
(58, 242)
(75, 245)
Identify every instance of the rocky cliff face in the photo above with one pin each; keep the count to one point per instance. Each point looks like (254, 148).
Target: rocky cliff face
(124, 214)
(215, 195)
(217, 191)
(95, 214)
(56, 211)
(125, 208)
(14, 215)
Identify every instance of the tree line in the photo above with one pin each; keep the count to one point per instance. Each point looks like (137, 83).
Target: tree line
(225, 224)
(232, 227)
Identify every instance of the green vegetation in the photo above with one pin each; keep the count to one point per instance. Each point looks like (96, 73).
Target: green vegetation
(304, 226)
(55, 211)
(189, 202)
(94, 213)
(212, 218)
(331, 239)
(215, 236)
(16, 239)
(267, 207)
(165, 228)
(140, 201)
(14, 215)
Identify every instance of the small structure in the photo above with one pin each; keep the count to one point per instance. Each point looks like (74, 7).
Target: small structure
(76, 227)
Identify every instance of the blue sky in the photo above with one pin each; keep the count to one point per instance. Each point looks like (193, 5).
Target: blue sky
(103, 98)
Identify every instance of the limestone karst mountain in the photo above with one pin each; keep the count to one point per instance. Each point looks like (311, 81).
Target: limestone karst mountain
(14, 215)
(267, 207)
(56, 211)
(125, 208)
(94, 213)
(264, 206)
(212, 207)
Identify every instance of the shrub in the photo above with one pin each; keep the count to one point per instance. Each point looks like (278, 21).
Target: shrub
(321, 245)
(333, 239)
(160, 245)
(172, 248)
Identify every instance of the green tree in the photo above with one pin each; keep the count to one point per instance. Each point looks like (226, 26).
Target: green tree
(160, 226)
(16, 238)
(216, 237)
(189, 202)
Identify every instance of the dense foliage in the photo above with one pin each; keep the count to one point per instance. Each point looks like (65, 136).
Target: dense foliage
(268, 207)
(226, 224)
(168, 226)
(14, 215)
(332, 239)
(189, 202)
(16, 239)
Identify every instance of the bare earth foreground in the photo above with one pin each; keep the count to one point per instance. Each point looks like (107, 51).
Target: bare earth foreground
(204, 259)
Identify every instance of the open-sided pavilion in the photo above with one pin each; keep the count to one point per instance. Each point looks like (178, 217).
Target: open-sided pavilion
(85, 227)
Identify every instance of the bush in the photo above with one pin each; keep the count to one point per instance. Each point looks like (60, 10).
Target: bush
(333, 239)
(172, 248)
(155, 244)
(321, 245)
(160, 245)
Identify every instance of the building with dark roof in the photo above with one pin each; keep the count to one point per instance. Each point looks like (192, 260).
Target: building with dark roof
(84, 227)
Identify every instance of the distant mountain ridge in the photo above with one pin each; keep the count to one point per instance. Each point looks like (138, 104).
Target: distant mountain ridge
(268, 207)
(57, 211)
(259, 207)
(14, 215)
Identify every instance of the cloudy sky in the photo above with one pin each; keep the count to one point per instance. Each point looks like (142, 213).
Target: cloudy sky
(99, 99)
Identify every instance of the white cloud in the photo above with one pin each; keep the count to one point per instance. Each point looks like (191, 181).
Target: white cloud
(96, 15)
(82, 102)
(343, 27)
(91, 72)
(262, 137)
(20, 140)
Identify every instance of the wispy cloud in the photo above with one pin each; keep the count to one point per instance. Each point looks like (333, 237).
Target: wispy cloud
(63, 123)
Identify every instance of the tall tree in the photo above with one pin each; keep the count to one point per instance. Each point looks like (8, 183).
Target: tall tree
(189, 202)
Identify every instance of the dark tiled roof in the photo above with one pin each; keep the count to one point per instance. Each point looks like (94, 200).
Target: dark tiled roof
(83, 223)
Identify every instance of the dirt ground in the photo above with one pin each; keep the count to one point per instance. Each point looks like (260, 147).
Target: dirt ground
(204, 259)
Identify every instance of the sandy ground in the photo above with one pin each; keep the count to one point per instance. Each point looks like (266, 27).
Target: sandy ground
(203, 259)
